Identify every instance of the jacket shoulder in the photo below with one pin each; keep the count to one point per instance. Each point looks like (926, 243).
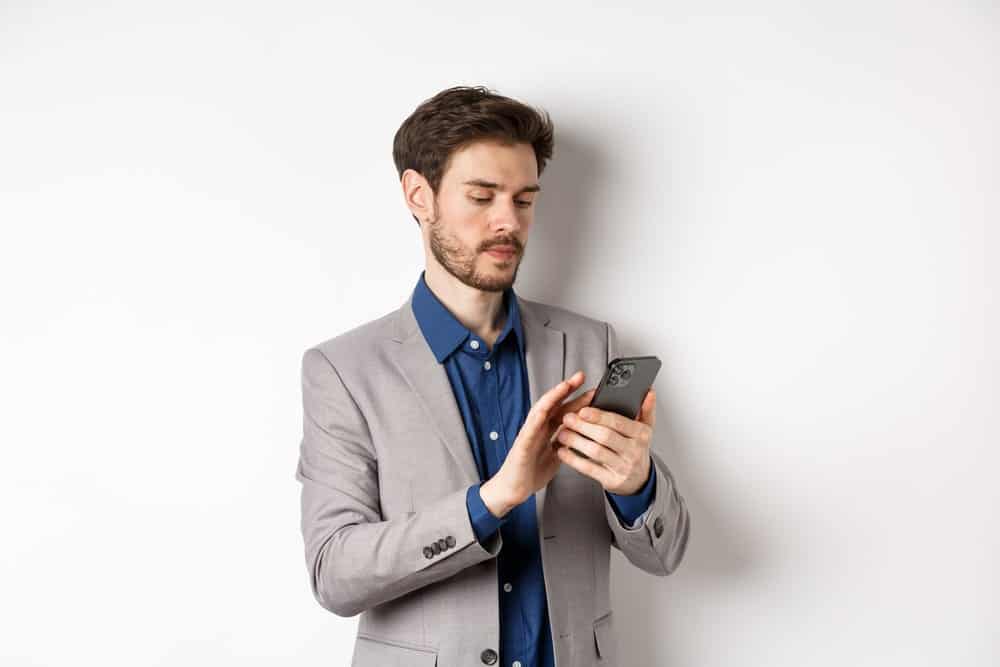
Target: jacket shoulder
(358, 342)
(564, 318)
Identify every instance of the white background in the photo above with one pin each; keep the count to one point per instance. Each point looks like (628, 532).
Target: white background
(793, 205)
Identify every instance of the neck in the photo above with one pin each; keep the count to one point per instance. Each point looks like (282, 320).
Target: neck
(480, 312)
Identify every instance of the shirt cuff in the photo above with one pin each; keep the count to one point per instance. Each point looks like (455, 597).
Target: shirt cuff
(628, 508)
(484, 524)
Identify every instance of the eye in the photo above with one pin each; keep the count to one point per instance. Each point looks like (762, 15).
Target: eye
(521, 203)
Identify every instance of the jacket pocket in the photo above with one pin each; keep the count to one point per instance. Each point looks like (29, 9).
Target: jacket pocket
(374, 652)
(604, 639)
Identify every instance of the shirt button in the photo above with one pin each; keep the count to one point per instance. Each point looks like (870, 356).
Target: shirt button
(487, 365)
(516, 663)
(507, 587)
(494, 435)
(474, 345)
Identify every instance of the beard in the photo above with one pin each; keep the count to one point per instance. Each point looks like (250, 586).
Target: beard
(460, 261)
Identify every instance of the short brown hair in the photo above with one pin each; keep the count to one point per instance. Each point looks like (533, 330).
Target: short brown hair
(458, 116)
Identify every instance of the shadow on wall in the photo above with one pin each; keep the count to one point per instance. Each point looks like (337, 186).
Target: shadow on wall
(562, 232)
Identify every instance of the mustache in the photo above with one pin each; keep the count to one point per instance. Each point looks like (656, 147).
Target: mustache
(510, 242)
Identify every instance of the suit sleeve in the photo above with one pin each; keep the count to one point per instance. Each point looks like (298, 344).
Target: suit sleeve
(354, 557)
(657, 542)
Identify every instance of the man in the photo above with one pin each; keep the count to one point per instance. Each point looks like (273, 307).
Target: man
(440, 498)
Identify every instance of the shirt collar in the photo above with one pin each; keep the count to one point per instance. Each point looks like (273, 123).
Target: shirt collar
(444, 333)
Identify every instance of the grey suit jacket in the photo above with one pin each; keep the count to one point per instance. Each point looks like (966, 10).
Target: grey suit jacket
(384, 464)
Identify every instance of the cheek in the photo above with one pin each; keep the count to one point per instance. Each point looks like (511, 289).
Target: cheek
(460, 224)
(471, 232)
(465, 218)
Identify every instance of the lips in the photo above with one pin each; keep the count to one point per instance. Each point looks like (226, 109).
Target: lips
(502, 251)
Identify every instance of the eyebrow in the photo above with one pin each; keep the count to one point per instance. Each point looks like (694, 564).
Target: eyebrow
(488, 184)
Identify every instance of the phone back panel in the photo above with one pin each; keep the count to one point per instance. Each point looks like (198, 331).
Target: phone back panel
(625, 383)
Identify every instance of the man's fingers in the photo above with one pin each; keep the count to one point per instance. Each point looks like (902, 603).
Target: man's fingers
(556, 417)
(556, 394)
(581, 401)
(585, 466)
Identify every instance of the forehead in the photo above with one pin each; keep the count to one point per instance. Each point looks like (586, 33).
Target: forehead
(512, 166)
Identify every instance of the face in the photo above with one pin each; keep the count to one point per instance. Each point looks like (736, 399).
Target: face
(486, 199)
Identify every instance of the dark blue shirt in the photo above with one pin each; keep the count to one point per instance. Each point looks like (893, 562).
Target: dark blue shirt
(491, 389)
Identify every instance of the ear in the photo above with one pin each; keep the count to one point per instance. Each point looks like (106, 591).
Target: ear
(417, 195)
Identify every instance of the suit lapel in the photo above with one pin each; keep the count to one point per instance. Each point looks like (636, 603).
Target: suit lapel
(544, 359)
(544, 353)
(429, 381)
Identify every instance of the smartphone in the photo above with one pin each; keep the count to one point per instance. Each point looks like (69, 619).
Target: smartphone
(624, 386)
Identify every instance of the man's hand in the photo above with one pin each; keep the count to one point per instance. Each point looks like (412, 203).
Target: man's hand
(532, 461)
(618, 447)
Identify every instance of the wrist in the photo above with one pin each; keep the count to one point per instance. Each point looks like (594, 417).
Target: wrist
(646, 479)
(497, 497)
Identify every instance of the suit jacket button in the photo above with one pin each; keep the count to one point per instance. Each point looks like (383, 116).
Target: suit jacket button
(450, 541)
(436, 547)
(443, 544)
(658, 526)
(428, 552)
(489, 656)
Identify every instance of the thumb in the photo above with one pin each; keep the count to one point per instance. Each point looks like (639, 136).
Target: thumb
(647, 414)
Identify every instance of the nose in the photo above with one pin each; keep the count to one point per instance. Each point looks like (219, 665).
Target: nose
(506, 217)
